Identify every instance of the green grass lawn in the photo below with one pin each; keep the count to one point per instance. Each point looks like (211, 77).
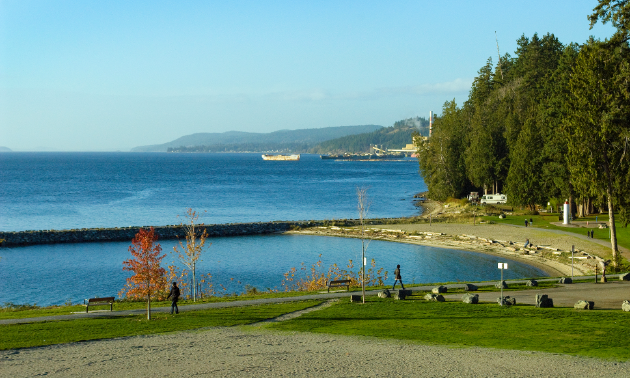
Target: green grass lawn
(57, 332)
(29, 311)
(596, 333)
(543, 221)
(9, 311)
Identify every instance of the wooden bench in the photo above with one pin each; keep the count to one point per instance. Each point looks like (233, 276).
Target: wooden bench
(99, 302)
(339, 283)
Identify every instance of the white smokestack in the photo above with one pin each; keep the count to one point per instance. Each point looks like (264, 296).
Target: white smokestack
(430, 123)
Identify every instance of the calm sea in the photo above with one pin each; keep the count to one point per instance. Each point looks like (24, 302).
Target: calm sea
(53, 274)
(41, 191)
(77, 190)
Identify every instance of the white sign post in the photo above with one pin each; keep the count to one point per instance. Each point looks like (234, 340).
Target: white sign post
(502, 266)
(572, 260)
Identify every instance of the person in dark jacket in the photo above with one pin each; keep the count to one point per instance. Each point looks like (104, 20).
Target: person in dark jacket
(398, 278)
(174, 295)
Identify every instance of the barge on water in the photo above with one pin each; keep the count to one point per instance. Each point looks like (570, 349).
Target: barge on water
(281, 157)
(363, 157)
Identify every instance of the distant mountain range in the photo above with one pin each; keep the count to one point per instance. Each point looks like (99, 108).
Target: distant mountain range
(5, 149)
(282, 140)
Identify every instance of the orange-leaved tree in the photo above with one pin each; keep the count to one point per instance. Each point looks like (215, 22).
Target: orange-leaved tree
(149, 277)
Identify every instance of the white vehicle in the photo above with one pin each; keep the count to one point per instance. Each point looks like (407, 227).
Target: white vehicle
(494, 199)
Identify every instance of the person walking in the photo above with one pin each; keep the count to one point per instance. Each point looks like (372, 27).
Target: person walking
(397, 277)
(525, 222)
(174, 295)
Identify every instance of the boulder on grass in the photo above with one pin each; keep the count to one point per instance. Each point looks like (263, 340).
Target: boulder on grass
(401, 295)
(470, 298)
(384, 294)
(625, 306)
(355, 298)
(506, 301)
(543, 301)
(470, 287)
(434, 297)
(584, 305)
(439, 290)
(501, 284)
(532, 283)
(624, 277)
(565, 280)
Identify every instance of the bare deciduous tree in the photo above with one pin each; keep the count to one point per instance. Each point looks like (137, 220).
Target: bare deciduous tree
(364, 208)
(190, 253)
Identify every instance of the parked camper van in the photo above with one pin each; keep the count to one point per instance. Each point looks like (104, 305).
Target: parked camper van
(494, 199)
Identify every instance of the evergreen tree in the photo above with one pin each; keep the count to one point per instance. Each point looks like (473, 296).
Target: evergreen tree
(440, 159)
(596, 126)
(525, 186)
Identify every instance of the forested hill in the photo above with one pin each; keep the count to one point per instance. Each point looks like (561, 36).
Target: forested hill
(394, 137)
(537, 128)
(282, 140)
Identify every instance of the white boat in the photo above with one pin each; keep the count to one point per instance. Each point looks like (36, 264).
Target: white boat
(281, 157)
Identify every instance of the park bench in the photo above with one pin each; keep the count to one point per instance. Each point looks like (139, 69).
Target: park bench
(99, 302)
(339, 283)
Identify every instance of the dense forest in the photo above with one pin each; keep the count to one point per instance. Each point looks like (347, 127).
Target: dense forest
(548, 124)
(396, 136)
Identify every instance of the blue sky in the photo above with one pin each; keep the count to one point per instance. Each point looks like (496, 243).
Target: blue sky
(112, 75)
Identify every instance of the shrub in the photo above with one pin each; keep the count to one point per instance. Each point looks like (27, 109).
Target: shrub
(312, 279)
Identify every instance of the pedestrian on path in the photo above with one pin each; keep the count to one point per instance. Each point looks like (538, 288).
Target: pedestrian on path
(525, 222)
(531, 222)
(397, 277)
(174, 295)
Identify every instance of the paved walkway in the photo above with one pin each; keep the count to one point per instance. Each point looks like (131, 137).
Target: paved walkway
(617, 292)
(607, 296)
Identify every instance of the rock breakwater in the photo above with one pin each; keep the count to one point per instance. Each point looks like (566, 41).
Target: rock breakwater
(86, 235)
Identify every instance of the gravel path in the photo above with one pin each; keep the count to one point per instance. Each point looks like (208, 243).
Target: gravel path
(255, 352)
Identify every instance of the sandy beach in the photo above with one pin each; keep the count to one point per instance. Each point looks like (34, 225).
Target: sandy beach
(495, 239)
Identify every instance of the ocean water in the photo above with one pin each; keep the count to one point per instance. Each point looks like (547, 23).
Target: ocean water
(83, 190)
(54, 274)
(79, 190)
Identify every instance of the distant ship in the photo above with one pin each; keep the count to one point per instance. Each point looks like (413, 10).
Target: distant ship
(281, 157)
(362, 157)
